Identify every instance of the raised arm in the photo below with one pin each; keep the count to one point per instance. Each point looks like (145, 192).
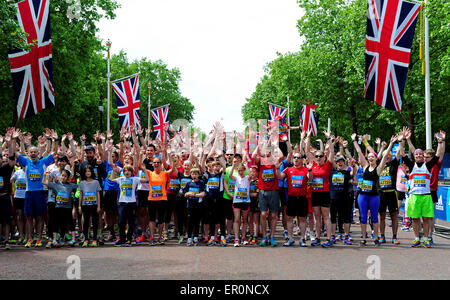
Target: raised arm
(362, 160)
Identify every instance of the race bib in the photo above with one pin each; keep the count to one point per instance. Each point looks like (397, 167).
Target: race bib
(419, 181)
(366, 186)
(127, 187)
(268, 175)
(174, 184)
(242, 194)
(253, 188)
(1, 182)
(194, 190)
(34, 176)
(231, 186)
(297, 181)
(21, 184)
(337, 179)
(385, 182)
(185, 181)
(90, 198)
(157, 191)
(317, 184)
(62, 198)
(403, 179)
(214, 183)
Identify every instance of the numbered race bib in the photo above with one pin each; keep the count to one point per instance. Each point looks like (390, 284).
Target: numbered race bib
(1, 182)
(317, 184)
(337, 179)
(253, 188)
(231, 186)
(185, 181)
(127, 187)
(268, 175)
(366, 186)
(21, 184)
(34, 176)
(214, 183)
(157, 191)
(62, 198)
(174, 184)
(242, 195)
(90, 198)
(385, 182)
(419, 181)
(403, 179)
(297, 181)
(96, 172)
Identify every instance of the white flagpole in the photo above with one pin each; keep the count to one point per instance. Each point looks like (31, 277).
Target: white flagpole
(149, 105)
(427, 86)
(289, 120)
(108, 118)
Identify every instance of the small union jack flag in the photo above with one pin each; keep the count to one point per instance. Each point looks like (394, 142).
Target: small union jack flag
(32, 71)
(309, 118)
(276, 113)
(390, 32)
(128, 103)
(160, 118)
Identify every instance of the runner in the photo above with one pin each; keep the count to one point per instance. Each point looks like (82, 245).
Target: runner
(20, 183)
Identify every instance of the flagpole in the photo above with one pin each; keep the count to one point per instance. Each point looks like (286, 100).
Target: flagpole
(108, 117)
(149, 85)
(289, 120)
(427, 86)
(126, 77)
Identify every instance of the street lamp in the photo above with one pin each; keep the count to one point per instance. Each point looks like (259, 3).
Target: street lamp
(101, 109)
(108, 46)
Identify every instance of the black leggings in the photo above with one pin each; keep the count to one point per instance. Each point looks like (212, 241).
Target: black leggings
(194, 216)
(341, 208)
(62, 220)
(171, 203)
(214, 214)
(90, 212)
(180, 209)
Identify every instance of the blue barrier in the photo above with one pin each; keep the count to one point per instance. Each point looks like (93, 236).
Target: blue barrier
(442, 210)
(444, 173)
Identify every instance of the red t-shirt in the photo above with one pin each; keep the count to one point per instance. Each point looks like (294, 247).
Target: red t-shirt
(297, 180)
(321, 177)
(267, 178)
(435, 176)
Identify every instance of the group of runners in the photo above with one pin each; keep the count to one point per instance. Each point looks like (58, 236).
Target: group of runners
(139, 190)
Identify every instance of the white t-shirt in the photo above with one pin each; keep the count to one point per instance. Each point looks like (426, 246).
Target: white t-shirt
(143, 186)
(127, 188)
(241, 190)
(20, 179)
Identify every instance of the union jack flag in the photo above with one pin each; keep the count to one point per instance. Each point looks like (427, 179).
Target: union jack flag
(128, 103)
(32, 71)
(276, 113)
(309, 118)
(390, 31)
(160, 118)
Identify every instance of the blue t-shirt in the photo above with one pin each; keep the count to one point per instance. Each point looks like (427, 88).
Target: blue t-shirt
(196, 187)
(284, 165)
(109, 185)
(35, 171)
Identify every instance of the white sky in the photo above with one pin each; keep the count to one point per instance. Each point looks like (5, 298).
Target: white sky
(220, 47)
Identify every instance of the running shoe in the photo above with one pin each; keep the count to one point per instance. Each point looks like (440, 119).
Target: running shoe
(347, 241)
(340, 236)
(160, 241)
(395, 241)
(289, 243)
(206, 239)
(7, 246)
(416, 243)
(273, 243)
(327, 244)
(223, 241)
(245, 241)
(55, 244)
(216, 239)
(165, 237)
(253, 241)
(333, 239)
(189, 242)
(405, 228)
(152, 242)
(302, 243)
(196, 241)
(38, 243)
(382, 239)
(86, 243)
(71, 243)
(315, 242)
(180, 239)
(67, 237)
(211, 242)
(128, 243)
(141, 239)
(377, 243)
(430, 239)
(229, 238)
(350, 238)
(49, 245)
(363, 243)
(118, 243)
(263, 242)
(94, 244)
(427, 243)
(286, 234)
(236, 243)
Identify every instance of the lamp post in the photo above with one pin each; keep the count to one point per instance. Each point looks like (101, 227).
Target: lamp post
(108, 125)
(149, 85)
(101, 109)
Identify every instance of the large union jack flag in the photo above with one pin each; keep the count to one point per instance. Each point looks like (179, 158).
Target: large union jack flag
(309, 118)
(276, 113)
(160, 118)
(390, 31)
(128, 103)
(32, 71)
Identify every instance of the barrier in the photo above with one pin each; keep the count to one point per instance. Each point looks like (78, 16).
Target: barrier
(442, 210)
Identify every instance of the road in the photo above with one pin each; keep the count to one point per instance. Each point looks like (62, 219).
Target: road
(178, 262)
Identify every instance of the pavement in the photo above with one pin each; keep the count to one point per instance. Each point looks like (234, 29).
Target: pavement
(179, 262)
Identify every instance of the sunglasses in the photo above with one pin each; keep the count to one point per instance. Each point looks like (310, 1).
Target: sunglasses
(319, 156)
(156, 162)
(299, 157)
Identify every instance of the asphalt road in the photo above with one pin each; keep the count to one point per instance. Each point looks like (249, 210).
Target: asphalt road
(178, 262)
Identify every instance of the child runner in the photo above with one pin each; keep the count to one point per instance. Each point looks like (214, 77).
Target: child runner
(254, 206)
(194, 191)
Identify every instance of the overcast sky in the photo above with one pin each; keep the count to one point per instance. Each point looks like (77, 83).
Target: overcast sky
(220, 47)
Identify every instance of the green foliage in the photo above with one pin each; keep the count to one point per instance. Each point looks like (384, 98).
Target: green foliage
(329, 70)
